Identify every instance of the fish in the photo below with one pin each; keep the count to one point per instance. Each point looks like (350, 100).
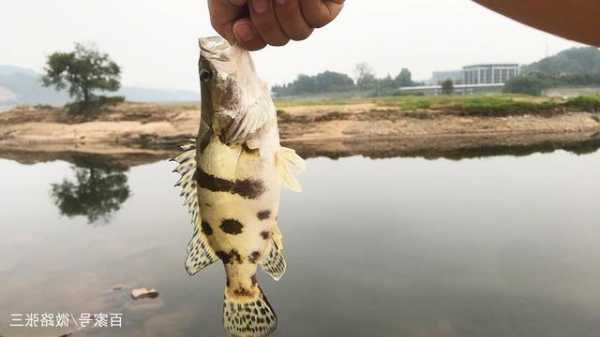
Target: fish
(231, 177)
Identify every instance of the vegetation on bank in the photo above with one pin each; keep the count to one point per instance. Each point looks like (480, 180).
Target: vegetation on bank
(329, 82)
(500, 105)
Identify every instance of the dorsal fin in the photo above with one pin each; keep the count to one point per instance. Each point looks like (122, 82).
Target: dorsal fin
(200, 254)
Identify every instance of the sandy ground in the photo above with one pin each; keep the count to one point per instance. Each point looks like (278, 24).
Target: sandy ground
(136, 132)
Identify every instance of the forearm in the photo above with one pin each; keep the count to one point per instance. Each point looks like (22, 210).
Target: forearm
(573, 19)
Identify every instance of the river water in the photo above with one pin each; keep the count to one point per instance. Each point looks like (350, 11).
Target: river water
(497, 246)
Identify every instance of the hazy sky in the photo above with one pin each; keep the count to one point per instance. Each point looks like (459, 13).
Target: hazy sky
(155, 41)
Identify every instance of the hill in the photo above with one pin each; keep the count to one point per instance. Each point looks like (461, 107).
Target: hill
(23, 86)
(574, 61)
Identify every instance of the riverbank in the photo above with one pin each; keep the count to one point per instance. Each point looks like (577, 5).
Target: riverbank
(398, 126)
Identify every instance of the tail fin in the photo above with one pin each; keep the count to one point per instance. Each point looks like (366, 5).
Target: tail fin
(289, 164)
(245, 317)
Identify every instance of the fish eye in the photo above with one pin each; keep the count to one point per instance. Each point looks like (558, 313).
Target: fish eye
(205, 75)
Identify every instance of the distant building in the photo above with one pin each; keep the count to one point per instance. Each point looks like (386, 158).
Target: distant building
(477, 78)
(492, 73)
(459, 89)
(457, 76)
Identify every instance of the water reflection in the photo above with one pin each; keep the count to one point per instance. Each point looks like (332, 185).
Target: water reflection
(495, 247)
(96, 192)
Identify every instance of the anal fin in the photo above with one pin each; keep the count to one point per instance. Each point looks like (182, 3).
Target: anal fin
(274, 264)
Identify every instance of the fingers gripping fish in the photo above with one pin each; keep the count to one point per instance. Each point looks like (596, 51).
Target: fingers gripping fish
(231, 179)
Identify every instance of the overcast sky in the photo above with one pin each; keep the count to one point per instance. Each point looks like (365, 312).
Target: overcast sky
(155, 40)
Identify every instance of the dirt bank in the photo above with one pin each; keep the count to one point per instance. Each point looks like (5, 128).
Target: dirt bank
(140, 131)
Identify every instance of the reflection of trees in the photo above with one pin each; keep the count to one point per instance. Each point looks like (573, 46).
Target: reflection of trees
(96, 193)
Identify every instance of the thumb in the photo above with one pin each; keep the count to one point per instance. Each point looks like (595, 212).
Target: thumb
(318, 13)
(335, 7)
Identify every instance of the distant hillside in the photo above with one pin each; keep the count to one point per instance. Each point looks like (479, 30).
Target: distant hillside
(574, 61)
(26, 88)
(23, 86)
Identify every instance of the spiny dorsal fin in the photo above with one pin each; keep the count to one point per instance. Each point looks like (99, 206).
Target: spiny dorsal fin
(200, 255)
(187, 168)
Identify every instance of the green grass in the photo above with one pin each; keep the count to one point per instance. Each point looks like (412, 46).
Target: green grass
(493, 105)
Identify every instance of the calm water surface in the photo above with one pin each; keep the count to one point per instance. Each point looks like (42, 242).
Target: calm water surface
(500, 246)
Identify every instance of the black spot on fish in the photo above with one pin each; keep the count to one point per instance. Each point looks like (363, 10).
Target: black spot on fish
(246, 188)
(265, 235)
(242, 292)
(254, 257)
(232, 226)
(227, 282)
(263, 215)
(225, 257)
(249, 188)
(236, 256)
(229, 258)
(254, 282)
(206, 229)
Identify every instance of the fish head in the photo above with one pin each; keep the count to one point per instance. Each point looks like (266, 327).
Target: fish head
(229, 82)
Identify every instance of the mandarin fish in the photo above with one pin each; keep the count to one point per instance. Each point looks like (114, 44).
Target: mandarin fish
(231, 179)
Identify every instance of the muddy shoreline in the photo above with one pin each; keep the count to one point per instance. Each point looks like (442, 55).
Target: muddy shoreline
(135, 134)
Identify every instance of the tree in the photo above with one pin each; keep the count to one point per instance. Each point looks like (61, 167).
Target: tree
(97, 193)
(325, 82)
(84, 71)
(330, 81)
(448, 87)
(404, 78)
(365, 76)
(531, 84)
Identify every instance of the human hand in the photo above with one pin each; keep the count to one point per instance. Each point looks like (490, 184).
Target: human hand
(252, 24)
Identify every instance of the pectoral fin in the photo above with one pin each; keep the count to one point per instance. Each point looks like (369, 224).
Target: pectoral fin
(288, 165)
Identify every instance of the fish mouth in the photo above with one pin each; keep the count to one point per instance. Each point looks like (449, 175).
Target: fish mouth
(215, 48)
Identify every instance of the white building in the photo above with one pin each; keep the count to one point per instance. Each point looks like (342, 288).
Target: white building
(492, 73)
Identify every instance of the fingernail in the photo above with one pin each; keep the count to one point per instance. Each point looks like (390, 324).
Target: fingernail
(260, 6)
(244, 31)
(281, 2)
